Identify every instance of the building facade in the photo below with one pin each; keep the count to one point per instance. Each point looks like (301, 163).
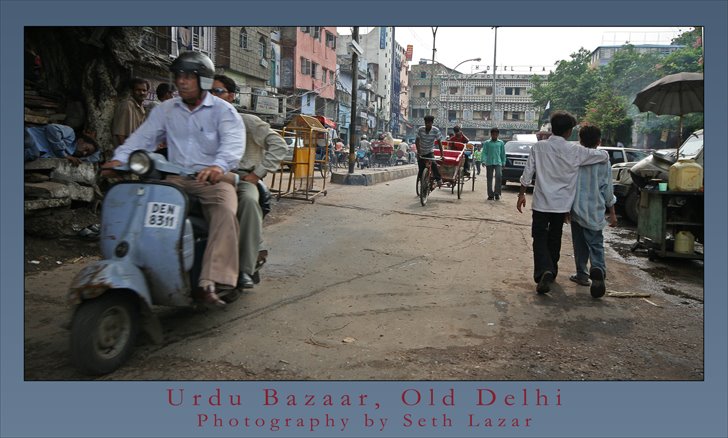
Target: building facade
(602, 55)
(308, 70)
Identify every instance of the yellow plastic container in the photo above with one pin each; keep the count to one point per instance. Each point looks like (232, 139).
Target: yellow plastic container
(305, 158)
(684, 242)
(685, 176)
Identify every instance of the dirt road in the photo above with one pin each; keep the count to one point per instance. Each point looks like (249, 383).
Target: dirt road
(366, 284)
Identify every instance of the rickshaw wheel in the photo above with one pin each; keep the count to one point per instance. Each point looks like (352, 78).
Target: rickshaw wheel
(424, 186)
(103, 332)
(417, 185)
(460, 182)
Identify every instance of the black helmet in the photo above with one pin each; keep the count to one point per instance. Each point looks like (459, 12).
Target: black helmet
(197, 63)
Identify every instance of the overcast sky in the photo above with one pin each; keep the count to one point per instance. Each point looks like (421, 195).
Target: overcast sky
(518, 47)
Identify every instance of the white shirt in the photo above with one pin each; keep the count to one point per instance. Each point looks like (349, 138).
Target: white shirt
(556, 163)
(211, 134)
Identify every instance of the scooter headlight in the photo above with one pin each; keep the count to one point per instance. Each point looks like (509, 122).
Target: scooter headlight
(140, 163)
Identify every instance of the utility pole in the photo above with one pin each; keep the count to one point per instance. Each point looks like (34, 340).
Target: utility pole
(492, 105)
(432, 68)
(353, 138)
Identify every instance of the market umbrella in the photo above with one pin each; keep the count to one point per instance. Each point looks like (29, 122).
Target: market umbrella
(677, 94)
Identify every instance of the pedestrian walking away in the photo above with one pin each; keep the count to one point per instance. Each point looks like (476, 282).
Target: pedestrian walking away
(594, 195)
(555, 163)
(494, 158)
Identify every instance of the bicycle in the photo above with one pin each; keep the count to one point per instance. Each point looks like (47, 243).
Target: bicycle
(425, 182)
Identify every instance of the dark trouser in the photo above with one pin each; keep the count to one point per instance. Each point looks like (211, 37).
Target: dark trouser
(423, 163)
(546, 232)
(477, 166)
(490, 172)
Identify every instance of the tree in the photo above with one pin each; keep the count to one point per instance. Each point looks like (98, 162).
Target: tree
(570, 86)
(608, 111)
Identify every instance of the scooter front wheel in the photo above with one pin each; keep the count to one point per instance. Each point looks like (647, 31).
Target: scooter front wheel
(103, 332)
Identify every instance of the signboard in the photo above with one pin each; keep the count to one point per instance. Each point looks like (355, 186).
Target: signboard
(408, 53)
(266, 105)
(382, 37)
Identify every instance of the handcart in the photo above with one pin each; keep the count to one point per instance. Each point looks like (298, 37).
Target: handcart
(308, 134)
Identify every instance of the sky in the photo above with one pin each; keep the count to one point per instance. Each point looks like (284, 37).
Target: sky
(518, 48)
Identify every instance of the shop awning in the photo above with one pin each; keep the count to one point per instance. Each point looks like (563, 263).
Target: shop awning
(326, 122)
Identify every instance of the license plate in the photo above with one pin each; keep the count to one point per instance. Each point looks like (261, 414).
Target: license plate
(162, 215)
(521, 163)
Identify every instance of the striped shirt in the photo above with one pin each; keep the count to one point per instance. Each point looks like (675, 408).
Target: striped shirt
(427, 139)
(594, 193)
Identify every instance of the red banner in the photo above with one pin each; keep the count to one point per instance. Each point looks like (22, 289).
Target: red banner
(408, 53)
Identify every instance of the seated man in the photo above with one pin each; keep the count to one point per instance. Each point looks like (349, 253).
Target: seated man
(59, 141)
(459, 137)
(427, 137)
(205, 134)
(264, 151)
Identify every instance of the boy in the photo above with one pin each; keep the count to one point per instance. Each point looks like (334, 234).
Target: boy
(593, 194)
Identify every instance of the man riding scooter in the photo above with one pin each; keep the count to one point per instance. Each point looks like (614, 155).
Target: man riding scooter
(205, 134)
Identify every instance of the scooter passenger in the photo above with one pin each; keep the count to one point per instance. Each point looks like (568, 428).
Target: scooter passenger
(264, 151)
(206, 134)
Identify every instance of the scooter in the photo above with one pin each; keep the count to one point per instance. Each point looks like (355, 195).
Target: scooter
(152, 243)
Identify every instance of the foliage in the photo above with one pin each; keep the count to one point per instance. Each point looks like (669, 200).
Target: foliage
(603, 95)
(608, 111)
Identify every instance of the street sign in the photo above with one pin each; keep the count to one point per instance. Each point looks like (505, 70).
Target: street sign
(266, 105)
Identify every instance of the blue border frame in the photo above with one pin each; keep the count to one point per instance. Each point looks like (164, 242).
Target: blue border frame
(138, 408)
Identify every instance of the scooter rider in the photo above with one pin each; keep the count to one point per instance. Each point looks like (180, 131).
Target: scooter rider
(264, 151)
(206, 134)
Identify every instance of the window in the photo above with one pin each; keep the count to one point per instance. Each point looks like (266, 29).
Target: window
(452, 90)
(330, 40)
(243, 38)
(314, 70)
(331, 77)
(324, 75)
(305, 66)
(261, 47)
(422, 94)
(452, 116)
(317, 32)
(513, 116)
(423, 74)
(306, 29)
(513, 91)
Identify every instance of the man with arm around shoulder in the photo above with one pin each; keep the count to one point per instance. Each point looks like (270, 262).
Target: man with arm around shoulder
(555, 163)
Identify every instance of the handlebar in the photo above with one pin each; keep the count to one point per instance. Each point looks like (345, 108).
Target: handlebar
(428, 158)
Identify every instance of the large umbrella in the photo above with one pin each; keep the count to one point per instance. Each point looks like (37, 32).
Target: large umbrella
(677, 94)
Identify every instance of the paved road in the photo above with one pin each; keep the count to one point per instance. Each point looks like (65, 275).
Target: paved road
(367, 284)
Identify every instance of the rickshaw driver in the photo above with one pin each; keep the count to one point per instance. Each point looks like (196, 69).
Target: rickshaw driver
(427, 136)
(206, 134)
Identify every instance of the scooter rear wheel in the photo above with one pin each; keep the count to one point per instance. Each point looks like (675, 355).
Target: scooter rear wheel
(103, 332)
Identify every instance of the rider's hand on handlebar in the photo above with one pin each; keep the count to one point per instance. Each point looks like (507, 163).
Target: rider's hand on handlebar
(213, 174)
(107, 169)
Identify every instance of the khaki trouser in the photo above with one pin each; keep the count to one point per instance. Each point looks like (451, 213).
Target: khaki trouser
(250, 216)
(219, 205)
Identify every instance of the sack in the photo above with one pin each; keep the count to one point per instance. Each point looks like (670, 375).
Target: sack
(264, 197)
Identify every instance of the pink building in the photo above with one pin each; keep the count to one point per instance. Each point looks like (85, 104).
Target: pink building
(308, 69)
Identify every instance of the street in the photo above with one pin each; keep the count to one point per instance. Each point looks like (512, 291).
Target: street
(366, 284)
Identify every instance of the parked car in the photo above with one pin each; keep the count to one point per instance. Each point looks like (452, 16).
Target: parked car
(622, 159)
(624, 155)
(630, 177)
(516, 156)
